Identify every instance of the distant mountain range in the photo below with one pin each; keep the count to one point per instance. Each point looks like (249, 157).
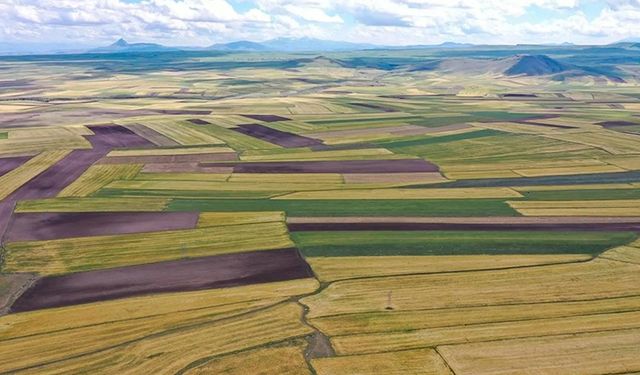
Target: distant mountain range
(273, 45)
(122, 45)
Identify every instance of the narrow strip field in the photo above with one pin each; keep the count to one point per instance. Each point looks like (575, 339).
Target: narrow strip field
(345, 166)
(51, 226)
(367, 243)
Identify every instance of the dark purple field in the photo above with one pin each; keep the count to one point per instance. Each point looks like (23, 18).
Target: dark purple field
(267, 118)
(546, 125)
(182, 111)
(51, 226)
(198, 121)
(9, 164)
(613, 124)
(50, 182)
(346, 166)
(374, 106)
(108, 137)
(519, 95)
(277, 137)
(606, 227)
(174, 276)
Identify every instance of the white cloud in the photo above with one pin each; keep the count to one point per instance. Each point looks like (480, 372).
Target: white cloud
(312, 14)
(381, 21)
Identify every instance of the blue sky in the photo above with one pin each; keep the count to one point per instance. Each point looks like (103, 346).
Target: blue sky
(389, 22)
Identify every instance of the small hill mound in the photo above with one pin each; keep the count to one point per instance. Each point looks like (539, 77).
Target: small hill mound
(122, 45)
(321, 62)
(535, 65)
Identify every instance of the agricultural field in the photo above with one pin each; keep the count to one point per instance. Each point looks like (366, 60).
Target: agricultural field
(355, 212)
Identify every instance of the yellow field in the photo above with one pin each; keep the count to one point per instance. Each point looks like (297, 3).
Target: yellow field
(599, 278)
(457, 193)
(575, 187)
(395, 179)
(610, 141)
(559, 171)
(71, 204)
(431, 337)
(182, 133)
(408, 321)
(462, 175)
(97, 176)
(86, 253)
(336, 268)
(12, 180)
(625, 207)
(32, 141)
(146, 176)
(170, 333)
(629, 253)
(242, 185)
(171, 151)
(167, 305)
(613, 352)
(288, 178)
(213, 219)
(412, 362)
(297, 155)
(285, 360)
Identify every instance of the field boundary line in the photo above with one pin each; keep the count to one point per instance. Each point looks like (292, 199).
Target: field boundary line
(464, 271)
(204, 360)
(435, 349)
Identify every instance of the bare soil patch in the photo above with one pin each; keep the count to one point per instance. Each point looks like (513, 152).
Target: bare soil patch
(182, 275)
(198, 121)
(9, 164)
(465, 223)
(277, 137)
(50, 226)
(345, 166)
(12, 285)
(267, 118)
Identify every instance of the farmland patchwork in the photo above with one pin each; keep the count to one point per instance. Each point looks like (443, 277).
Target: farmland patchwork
(358, 213)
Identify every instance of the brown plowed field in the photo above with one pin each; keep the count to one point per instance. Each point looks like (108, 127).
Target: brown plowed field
(182, 275)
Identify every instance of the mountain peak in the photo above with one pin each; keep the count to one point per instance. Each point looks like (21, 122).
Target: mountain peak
(535, 65)
(120, 43)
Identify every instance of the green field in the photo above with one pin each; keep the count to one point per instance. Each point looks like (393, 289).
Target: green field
(381, 243)
(408, 207)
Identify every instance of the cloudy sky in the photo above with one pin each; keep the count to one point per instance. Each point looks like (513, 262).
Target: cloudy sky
(390, 22)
